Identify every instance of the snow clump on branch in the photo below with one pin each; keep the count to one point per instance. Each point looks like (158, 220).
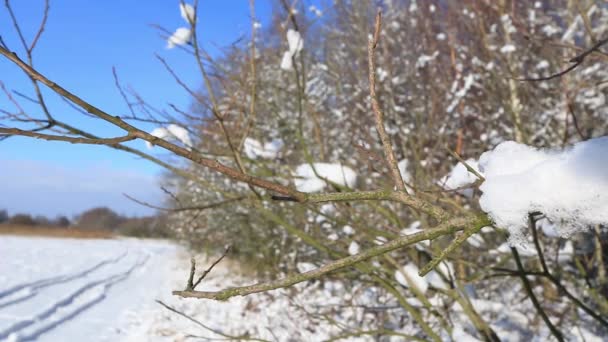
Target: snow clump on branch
(307, 181)
(295, 45)
(171, 132)
(569, 186)
(183, 35)
(254, 149)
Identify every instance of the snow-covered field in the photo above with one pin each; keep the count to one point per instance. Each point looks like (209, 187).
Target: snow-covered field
(78, 290)
(106, 290)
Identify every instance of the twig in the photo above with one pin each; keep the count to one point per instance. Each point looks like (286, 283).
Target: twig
(199, 323)
(389, 154)
(466, 165)
(453, 245)
(198, 281)
(74, 140)
(577, 60)
(554, 331)
(180, 209)
(445, 228)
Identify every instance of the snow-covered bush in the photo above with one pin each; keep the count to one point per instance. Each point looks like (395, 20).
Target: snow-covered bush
(290, 162)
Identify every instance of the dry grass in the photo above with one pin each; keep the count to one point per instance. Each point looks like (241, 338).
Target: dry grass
(55, 232)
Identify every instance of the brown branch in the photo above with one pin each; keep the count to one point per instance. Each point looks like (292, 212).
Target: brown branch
(198, 281)
(577, 60)
(445, 228)
(195, 157)
(199, 323)
(74, 140)
(389, 154)
(180, 209)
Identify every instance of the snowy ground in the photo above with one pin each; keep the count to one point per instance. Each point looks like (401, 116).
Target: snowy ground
(106, 290)
(78, 290)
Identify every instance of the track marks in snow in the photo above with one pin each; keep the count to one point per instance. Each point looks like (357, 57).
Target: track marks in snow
(84, 289)
(24, 291)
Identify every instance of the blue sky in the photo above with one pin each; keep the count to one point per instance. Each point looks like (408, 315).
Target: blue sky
(82, 42)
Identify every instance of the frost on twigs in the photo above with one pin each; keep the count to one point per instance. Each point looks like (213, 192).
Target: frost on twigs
(171, 132)
(568, 186)
(307, 181)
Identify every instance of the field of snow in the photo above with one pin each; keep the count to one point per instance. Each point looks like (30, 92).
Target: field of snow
(107, 290)
(77, 290)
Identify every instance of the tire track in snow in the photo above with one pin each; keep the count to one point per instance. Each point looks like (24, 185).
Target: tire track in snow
(24, 291)
(70, 306)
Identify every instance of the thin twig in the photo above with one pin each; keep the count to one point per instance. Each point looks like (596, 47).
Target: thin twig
(198, 281)
(577, 60)
(389, 154)
(445, 228)
(554, 331)
(199, 323)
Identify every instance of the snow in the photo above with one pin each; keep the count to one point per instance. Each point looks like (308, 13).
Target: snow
(315, 11)
(181, 36)
(286, 61)
(460, 177)
(187, 12)
(423, 60)
(508, 48)
(569, 186)
(348, 230)
(353, 248)
(270, 150)
(171, 132)
(408, 276)
(71, 290)
(295, 45)
(307, 181)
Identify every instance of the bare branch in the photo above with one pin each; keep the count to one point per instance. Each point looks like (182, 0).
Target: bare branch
(445, 228)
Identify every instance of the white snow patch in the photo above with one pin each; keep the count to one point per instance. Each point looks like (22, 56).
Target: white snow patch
(567, 186)
(187, 12)
(353, 248)
(408, 276)
(171, 132)
(307, 181)
(181, 36)
(270, 150)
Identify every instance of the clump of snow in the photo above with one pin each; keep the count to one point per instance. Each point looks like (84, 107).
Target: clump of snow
(348, 230)
(171, 132)
(295, 45)
(569, 186)
(305, 267)
(353, 248)
(315, 11)
(423, 60)
(269, 150)
(460, 177)
(181, 36)
(187, 12)
(307, 181)
(408, 276)
(508, 48)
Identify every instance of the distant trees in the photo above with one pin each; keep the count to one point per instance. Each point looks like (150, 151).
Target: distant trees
(102, 218)
(22, 219)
